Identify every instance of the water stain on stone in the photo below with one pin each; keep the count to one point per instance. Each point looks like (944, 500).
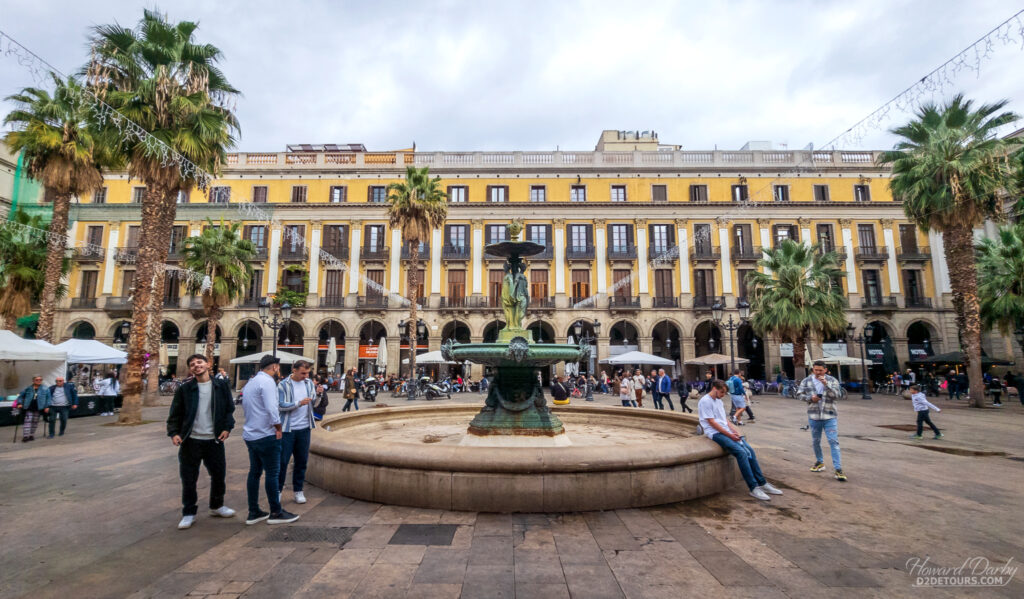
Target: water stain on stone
(779, 483)
(959, 450)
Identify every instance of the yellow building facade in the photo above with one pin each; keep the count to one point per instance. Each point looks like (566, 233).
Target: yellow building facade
(643, 243)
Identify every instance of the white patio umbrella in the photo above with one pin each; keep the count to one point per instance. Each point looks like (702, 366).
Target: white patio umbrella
(715, 360)
(332, 354)
(430, 357)
(638, 357)
(571, 368)
(382, 355)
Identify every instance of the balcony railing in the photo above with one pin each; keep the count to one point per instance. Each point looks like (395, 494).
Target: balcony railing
(918, 254)
(455, 252)
(579, 252)
(332, 301)
(455, 303)
(705, 254)
(663, 252)
(259, 254)
(824, 249)
(747, 254)
(294, 253)
(918, 302)
(176, 254)
(706, 301)
(547, 254)
(868, 302)
(171, 301)
(374, 252)
(87, 254)
(622, 252)
(119, 304)
(424, 252)
(665, 302)
(249, 302)
(339, 251)
(872, 253)
(127, 254)
(588, 301)
(372, 301)
(541, 303)
(624, 302)
(83, 302)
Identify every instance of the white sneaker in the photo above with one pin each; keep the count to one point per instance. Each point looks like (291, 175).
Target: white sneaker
(768, 488)
(222, 512)
(758, 493)
(300, 497)
(186, 522)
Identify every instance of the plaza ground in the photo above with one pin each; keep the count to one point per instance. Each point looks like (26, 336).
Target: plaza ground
(94, 514)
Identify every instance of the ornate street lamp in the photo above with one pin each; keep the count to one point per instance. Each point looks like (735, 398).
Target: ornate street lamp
(275, 318)
(862, 340)
(589, 341)
(717, 313)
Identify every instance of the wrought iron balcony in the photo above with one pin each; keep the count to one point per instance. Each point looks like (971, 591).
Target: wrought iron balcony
(624, 302)
(706, 301)
(588, 301)
(705, 254)
(171, 301)
(454, 303)
(424, 252)
(747, 254)
(83, 302)
(176, 253)
(877, 253)
(541, 303)
(337, 251)
(917, 254)
(127, 254)
(622, 252)
(249, 302)
(579, 252)
(547, 254)
(332, 301)
(259, 254)
(663, 252)
(666, 302)
(294, 253)
(455, 252)
(372, 301)
(824, 249)
(87, 254)
(918, 302)
(119, 304)
(887, 302)
(374, 252)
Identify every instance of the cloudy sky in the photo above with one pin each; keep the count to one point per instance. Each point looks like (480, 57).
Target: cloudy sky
(539, 75)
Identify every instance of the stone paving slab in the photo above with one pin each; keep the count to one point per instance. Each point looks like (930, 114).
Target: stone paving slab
(93, 514)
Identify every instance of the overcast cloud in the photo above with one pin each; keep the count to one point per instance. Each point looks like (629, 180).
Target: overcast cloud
(540, 75)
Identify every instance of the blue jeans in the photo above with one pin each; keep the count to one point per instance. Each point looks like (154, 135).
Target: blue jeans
(656, 395)
(294, 443)
(264, 458)
(831, 428)
(745, 457)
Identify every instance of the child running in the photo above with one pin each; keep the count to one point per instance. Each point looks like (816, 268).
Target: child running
(921, 406)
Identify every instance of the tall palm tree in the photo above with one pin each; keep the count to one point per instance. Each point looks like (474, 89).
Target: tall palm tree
(225, 258)
(418, 205)
(63, 151)
(948, 169)
(158, 76)
(801, 297)
(23, 259)
(1001, 279)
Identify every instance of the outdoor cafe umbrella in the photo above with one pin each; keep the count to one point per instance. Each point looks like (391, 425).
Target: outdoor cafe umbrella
(637, 357)
(382, 355)
(332, 354)
(571, 368)
(430, 357)
(715, 360)
(285, 357)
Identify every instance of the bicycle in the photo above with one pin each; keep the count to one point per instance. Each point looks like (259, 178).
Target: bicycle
(788, 389)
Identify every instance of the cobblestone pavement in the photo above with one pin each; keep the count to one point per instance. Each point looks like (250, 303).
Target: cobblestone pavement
(94, 514)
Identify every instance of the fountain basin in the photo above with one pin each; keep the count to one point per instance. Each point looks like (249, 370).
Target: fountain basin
(620, 458)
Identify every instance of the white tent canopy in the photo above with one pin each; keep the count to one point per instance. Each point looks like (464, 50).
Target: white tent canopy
(430, 357)
(21, 359)
(638, 357)
(715, 360)
(90, 351)
(286, 358)
(840, 360)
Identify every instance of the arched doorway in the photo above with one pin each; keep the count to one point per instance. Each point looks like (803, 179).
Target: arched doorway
(290, 337)
(169, 337)
(458, 332)
(83, 330)
(581, 330)
(751, 347)
(491, 331)
(541, 332)
(622, 338)
(330, 329)
(250, 341)
(919, 340)
(120, 333)
(881, 355)
(372, 335)
(201, 336)
(665, 343)
(707, 339)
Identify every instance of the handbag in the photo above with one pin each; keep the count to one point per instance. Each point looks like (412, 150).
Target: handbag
(906, 394)
(694, 394)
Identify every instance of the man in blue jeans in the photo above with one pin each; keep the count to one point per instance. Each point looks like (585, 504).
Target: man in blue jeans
(663, 385)
(716, 426)
(295, 394)
(821, 391)
(262, 435)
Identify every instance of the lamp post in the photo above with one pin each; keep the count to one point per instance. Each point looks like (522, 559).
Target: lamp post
(731, 326)
(274, 319)
(588, 340)
(862, 340)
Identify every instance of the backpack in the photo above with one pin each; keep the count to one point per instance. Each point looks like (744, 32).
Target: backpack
(735, 386)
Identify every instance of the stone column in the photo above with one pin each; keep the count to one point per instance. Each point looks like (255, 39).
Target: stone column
(601, 254)
(228, 346)
(476, 371)
(723, 243)
(684, 256)
(478, 257)
(436, 245)
(393, 343)
(603, 352)
(273, 269)
(351, 350)
(646, 344)
(889, 239)
(110, 261)
(851, 270)
(643, 268)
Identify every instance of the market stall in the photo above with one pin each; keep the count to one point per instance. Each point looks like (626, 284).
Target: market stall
(87, 360)
(20, 360)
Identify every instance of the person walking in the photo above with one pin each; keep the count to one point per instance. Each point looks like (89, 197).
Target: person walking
(626, 395)
(820, 391)
(951, 386)
(921, 406)
(684, 390)
(295, 394)
(1012, 386)
(262, 435)
(108, 389)
(963, 386)
(351, 392)
(639, 382)
(664, 387)
(62, 397)
(995, 387)
(199, 421)
(717, 427)
(34, 400)
(738, 397)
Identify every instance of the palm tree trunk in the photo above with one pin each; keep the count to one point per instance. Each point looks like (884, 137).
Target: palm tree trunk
(414, 291)
(213, 317)
(963, 274)
(799, 349)
(151, 395)
(10, 321)
(54, 262)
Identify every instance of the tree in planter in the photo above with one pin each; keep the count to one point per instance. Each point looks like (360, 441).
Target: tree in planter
(1001, 279)
(949, 170)
(162, 79)
(224, 257)
(799, 298)
(418, 206)
(23, 258)
(65, 152)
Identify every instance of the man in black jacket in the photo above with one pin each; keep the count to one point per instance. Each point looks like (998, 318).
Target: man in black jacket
(199, 422)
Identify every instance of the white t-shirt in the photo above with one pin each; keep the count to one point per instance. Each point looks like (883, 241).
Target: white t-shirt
(300, 417)
(709, 408)
(202, 426)
(819, 387)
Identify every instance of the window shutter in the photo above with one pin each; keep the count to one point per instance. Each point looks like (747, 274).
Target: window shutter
(488, 198)
(630, 238)
(590, 234)
(547, 236)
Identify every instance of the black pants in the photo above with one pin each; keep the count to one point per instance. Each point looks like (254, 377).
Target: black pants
(997, 398)
(59, 412)
(656, 396)
(682, 403)
(211, 454)
(750, 413)
(923, 417)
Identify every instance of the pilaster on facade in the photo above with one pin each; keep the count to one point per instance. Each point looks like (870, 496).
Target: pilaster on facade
(727, 268)
(478, 256)
(763, 225)
(641, 257)
(845, 225)
(436, 245)
(354, 239)
(601, 249)
(108, 265)
(682, 243)
(394, 267)
(314, 260)
(558, 235)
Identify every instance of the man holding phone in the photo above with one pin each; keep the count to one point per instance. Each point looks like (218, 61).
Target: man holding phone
(295, 394)
(821, 391)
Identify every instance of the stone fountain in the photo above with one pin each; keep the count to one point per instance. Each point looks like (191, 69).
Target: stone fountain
(516, 455)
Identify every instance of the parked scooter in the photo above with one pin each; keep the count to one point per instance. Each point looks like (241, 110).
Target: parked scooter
(433, 390)
(370, 389)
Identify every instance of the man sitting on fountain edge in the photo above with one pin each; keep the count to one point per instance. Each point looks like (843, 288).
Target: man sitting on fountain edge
(717, 427)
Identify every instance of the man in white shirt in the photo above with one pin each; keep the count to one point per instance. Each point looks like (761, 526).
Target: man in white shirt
(716, 426)
(262, 435)
(295, 395)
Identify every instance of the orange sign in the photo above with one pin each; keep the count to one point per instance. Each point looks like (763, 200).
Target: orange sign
(368, 352)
